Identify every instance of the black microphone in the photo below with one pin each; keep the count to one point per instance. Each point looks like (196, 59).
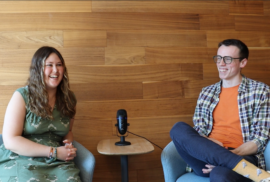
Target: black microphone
(122, 125)
(121, 121)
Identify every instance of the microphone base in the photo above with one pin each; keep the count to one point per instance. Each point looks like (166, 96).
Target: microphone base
(122, 142)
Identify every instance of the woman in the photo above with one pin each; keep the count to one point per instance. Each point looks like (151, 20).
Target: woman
(37, 131)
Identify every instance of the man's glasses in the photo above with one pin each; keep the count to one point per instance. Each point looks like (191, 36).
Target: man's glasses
(226, 59)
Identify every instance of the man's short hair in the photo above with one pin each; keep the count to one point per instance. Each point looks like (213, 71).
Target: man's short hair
(243, 53)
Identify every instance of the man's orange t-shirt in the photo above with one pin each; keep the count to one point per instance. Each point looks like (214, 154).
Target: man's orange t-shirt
(226, 126)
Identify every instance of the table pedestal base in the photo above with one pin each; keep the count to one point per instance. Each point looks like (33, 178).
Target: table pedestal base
(124, 168)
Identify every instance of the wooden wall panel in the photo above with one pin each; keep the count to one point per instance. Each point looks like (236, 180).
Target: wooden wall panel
(166, 89)
(84, 38)
(72, 56)
(258, 71)
(250, 7)
(150, 175)
(193, 88)
(124, 55)
(151, 58)
(259, 55)
(83, 56)
(157, 38)
(16, 57)
(195, 7)
(11, 75)
(252, 23)
(251, 38)
(266, 7)
(137, 108)
(44, 6)
(136, 73)
(30, 39)
(216, 22)
(107, 91)
(99, 21)
(177, 55)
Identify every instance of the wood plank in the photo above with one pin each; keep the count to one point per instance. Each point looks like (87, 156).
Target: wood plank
(266, 7)
(250, 7)
(114, 176)
(108, 163)
(259, 55)
(136, 73)
(72, 56)
(194, 87)
(11, 75)
(89, 131)
(258, 71)
(83, 56)
(43, 21)
(6, 92)
(252, 23)
(163, 89)
(44, 6)
(250, 38)
(145, 161)
(210, 72)
(157, 38)
(99, 21)
(151, 175)
(16, 57)
(216, 22)
(84, 38)
(195, 7)
(142, 21)
(167, 55)
(137, 108)
(124, 55)
(107, 91)
(30, 39)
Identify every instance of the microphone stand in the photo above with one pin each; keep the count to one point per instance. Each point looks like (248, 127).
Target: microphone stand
(122, 142)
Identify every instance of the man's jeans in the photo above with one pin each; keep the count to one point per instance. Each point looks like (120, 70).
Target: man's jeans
(197, 151)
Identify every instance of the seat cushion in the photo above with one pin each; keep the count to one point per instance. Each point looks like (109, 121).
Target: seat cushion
(192, 177)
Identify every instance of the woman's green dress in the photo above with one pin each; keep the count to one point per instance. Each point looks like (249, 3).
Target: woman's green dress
(17, 168)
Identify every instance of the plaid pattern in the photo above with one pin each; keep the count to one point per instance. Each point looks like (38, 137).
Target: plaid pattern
(254, 113)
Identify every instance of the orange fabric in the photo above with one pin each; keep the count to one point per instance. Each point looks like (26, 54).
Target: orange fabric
(226, 126)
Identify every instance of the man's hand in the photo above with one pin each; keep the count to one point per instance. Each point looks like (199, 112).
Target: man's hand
(209, 168)
(215, 141)
(248, 148)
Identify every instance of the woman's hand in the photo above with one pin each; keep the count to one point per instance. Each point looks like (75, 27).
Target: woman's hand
(67, 152)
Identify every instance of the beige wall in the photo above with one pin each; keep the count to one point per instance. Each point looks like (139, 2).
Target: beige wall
(149, 57)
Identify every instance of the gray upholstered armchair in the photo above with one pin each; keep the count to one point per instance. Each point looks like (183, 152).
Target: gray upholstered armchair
(84, 160)
(174, 167)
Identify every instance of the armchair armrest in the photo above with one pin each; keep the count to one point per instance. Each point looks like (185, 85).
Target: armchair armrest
(85, 161)
(267, 156)
(173, 165)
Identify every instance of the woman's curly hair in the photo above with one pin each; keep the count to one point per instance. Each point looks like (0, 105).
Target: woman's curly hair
(38, 101)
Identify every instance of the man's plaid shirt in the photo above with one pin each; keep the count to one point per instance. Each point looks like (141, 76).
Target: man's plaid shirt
(254, 112)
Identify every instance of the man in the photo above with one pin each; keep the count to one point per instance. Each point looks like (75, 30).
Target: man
(231, 123)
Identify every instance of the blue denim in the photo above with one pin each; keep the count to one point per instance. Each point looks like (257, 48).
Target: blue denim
(197, 151)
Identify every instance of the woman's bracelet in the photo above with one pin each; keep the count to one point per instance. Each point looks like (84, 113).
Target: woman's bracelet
(55, 154)
(51, 152)
(52, 155)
